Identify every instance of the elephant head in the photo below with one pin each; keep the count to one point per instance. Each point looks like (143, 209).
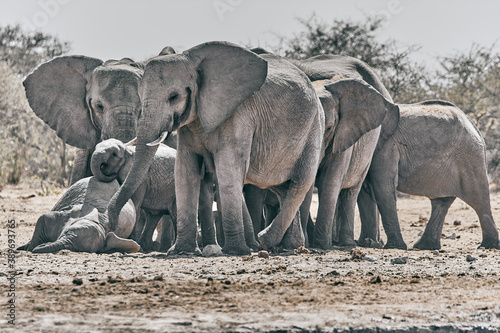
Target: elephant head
(85, 100)
(199, 88)
(109, 160)
(352, 108)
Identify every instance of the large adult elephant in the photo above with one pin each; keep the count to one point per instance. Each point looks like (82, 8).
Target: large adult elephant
(324, 67)
(86, 100)
(435, 152)
(249, 118)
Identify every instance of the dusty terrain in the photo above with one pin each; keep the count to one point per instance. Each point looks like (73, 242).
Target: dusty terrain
(333, 291)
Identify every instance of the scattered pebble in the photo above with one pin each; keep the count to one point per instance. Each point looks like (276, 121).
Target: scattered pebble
(263, 254)
(376, 279)
(470, 258)
(77, 281)
(357, 254)
(370, 258)
(211, 251)
(457, 222)
(302, 249)
(452, 236)
(435, 252)
(399, 261)
(333, 273)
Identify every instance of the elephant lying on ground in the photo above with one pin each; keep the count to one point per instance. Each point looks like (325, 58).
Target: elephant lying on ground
(435, 152)
(77, 222)
(249, 118)
(156, 196)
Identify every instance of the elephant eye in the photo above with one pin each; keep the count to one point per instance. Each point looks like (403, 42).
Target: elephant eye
(173, 97)
(99, 106)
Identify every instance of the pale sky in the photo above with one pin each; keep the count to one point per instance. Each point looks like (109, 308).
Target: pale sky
(110, 29)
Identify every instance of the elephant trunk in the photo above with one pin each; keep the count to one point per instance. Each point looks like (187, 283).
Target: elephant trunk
(58, 245)
(143, 159)
(98, 164)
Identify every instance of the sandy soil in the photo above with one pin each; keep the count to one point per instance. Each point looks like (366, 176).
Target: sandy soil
(438, 291)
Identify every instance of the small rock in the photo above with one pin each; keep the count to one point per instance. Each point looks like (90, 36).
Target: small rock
(333, 273)
(247, 258)
(376, 279)
(470, 258)
(77, 281)
(435, 252)
(457, 222)
(211, 251)
(302, 249)
(399, 261)
(370, 258)
(452, 236)
(263, 254)
(357, 254)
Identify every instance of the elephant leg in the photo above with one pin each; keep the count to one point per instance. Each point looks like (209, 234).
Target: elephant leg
(167, 235)
(294, 236)
(346, 209)
(310, 230)
(231, 170)
(431, 238)
(188, 169)
(118, 244)
(305, 214)
(329, 183)
(254, 198)
(205, 214)
(218, 228)
(384, 177)
(476, 194)
(368, 212)
(249, 228)
(146, 240)
(290, 202)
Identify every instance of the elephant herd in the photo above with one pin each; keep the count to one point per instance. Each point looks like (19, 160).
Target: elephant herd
(256, 133)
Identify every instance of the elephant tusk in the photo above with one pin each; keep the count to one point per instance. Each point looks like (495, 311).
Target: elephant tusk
(131, 142)
(163, 136)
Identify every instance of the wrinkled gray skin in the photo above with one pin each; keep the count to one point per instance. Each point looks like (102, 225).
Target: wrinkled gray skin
(77, 222)
(438, 153)
(354, 112)
(250, 119)
(336, 166)
(155, 196)
(86, 101)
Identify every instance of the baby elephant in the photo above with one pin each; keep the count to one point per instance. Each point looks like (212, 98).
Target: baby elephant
(155, 196)
(77, 222)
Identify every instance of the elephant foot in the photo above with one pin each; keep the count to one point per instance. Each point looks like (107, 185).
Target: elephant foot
(236, 249)
(212, 250)
(396, 244)
(322, 244)
(346, 240)
(268, 239)
(179, 248)
(368, 242)
(253, 245)
(427, 244)
(490, 243)
(149, 246)
(291, 243)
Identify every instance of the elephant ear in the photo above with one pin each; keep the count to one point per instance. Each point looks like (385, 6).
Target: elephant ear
(56, 92)
(167, 50)
(228, 75)
(361, 109)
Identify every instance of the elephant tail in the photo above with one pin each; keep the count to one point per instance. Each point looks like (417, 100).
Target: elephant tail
(58, 245)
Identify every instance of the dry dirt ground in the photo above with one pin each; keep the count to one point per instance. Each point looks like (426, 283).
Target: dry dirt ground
(317, 292)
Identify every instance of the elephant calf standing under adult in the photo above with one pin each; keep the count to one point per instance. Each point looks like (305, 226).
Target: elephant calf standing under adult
(77, 222)
(438, 153)
(156, 196)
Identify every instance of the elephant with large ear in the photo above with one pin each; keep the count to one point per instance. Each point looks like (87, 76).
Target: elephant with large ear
(249, 118)
(435, 152)
(78, 223)
(86, 100)
(354, 113)
(155, 196)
